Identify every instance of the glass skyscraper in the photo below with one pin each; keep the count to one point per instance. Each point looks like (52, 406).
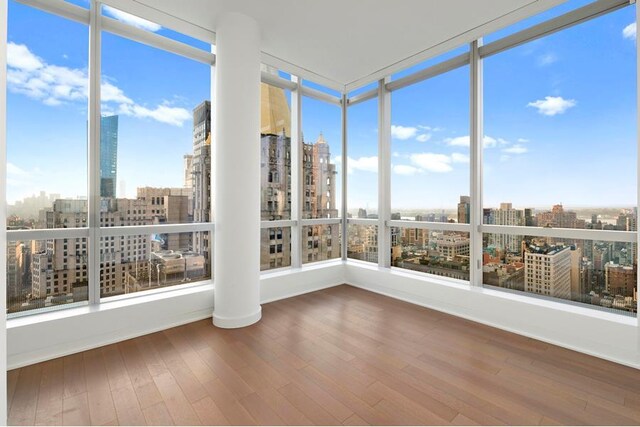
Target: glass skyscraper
(108, 155)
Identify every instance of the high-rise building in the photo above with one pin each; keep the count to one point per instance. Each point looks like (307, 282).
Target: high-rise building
(529, 218)
(557, 217)
(452, 245)
(201, 174)
(547, 269)
(108, 155)
(188, 171)
(464, 210)
(578, 280)
(319, 242)
(506, 215)
(620, 279)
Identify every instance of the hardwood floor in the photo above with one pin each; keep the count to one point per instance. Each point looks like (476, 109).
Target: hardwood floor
(338, 356)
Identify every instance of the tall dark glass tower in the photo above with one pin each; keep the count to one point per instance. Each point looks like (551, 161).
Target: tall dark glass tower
(108, 155)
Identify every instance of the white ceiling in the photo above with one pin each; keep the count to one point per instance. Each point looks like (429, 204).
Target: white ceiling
(350, 42)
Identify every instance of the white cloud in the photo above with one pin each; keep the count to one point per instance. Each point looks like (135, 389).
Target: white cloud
(405, 170)
(459, 141)
(464, 141)
(365, 164)
(15, 171)
(522, 140)
(552, 105)
(54, 85)
(424, 137)
(515, 149)
(163, 113)
(111, 93)
(459, 158)
(132, 19)
(432, 162)
(629, 32)
(547, 59)
(20, 57)
(403, 132)
(505, 158)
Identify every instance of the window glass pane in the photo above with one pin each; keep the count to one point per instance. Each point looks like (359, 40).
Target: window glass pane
(275, 164)
(275, 248)
(155, 133)
(430, 148)
(362, 163)
(443, 253)
(46, 115)
(143, 24)
(321, 124)
(363, 242)
(601, 274)
(320, 242)
(130, 264)
(46, 273)
(557, 126)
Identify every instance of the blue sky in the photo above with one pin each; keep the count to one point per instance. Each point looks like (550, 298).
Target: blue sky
(560, 117)
(560, 125)
(152, 91)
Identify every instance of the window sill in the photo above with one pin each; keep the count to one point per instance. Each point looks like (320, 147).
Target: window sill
(110, 303)
(501, 294)
(268, 274)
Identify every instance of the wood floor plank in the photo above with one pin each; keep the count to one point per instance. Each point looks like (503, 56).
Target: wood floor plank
(289, 414)
(25, 400)
(75, 410)
(139, 375)
(260, 410)
(101, 407)
(337, 356)
(50, 396)
(228, 403)
(127, 406)
(116, 369)
(177, 403)
(209, 413)
(308, 406)
(356, 404)
(157, 415)
(180, 372)
(355, 420)
(12, 382)
(74, 379)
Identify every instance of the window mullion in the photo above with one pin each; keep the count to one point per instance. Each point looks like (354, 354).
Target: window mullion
(476, 124)
(384, 174)
(296, 173)
(638, 171)
(94, 153)
(344, 226)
